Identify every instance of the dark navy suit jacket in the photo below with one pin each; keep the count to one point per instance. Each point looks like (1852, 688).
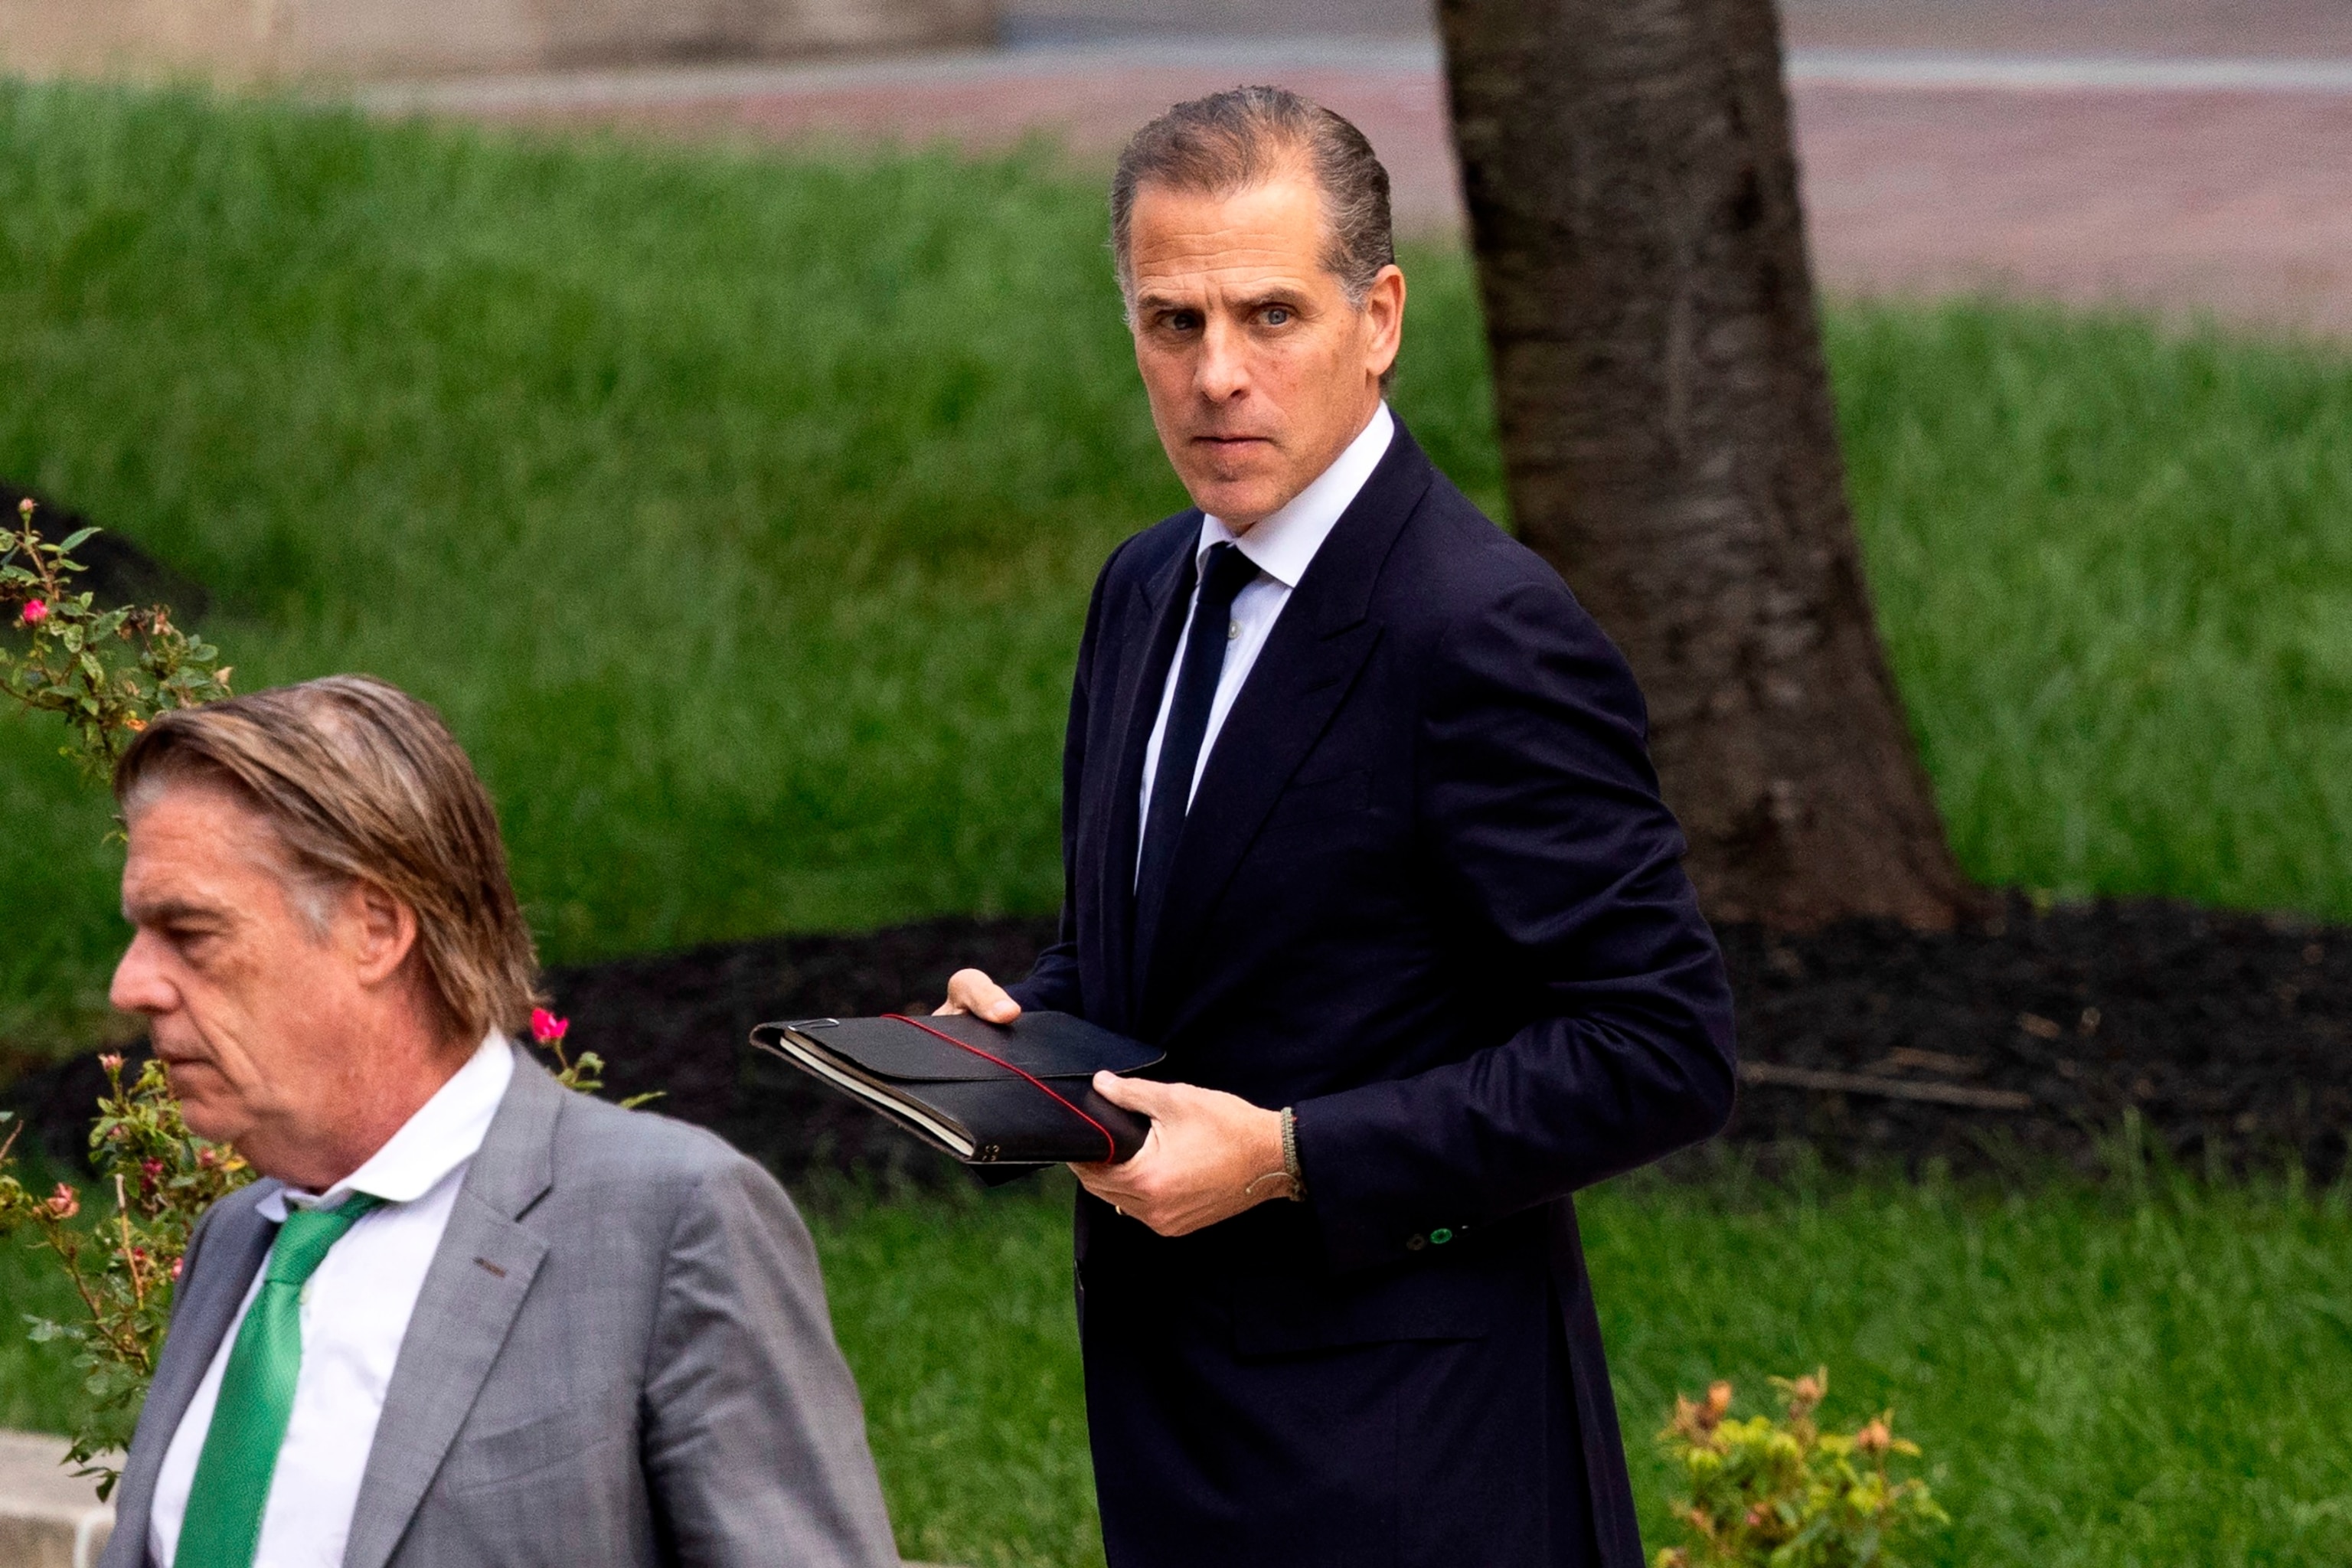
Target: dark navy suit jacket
(1427, 894)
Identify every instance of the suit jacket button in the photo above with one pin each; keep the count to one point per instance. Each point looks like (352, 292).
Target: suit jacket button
(1440, 1237)
(1415, 1243)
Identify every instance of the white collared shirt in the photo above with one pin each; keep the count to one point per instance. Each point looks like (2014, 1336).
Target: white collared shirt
(1281, 548)
(355, 1312)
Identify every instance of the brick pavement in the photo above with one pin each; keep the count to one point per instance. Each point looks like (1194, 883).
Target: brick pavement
(2163, 27)
(2238, 204)
(2220, 185)
(2291, 28)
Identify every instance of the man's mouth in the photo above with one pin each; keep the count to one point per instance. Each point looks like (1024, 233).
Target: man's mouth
(179, 1059)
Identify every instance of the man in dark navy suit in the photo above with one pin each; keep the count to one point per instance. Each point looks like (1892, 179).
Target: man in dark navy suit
(1359, 825)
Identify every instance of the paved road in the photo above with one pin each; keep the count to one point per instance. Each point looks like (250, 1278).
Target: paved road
(2197, 162)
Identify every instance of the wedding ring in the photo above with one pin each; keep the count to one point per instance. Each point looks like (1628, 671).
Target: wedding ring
(1118, 1211)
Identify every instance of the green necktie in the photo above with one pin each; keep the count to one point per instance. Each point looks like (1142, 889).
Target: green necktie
(223, 1525)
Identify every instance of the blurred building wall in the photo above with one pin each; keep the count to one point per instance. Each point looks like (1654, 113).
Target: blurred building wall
(237, 40)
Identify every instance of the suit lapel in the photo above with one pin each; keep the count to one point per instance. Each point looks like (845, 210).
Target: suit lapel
(1305, 671)
(1161, 602)
(479, 1276)
(227, 1255)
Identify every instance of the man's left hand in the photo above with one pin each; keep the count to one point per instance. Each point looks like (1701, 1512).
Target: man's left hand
(1205, 1150)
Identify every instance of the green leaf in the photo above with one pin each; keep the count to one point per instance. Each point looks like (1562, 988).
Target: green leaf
(74, 540)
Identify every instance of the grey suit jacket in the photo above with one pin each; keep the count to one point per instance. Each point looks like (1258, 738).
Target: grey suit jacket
(621, 1355)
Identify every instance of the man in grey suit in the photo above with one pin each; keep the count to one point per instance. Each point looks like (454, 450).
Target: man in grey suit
(466, 1316)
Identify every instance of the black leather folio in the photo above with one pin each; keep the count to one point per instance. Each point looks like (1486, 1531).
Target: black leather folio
(1013, 1094)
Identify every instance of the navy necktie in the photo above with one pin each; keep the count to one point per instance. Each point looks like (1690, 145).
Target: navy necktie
(1224, 575)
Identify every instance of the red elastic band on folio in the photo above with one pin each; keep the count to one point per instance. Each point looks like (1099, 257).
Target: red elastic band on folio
(1111, 1144)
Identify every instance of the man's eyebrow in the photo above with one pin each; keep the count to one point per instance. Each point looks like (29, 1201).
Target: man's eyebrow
(1271, 294)
(168, 910)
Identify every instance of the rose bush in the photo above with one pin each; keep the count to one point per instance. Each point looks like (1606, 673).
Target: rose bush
(161, 1178)
(104, 672)
(107, 673)
(1786, 1494)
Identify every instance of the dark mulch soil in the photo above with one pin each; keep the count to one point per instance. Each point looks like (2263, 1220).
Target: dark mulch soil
(2228, 1039)
(116, 571)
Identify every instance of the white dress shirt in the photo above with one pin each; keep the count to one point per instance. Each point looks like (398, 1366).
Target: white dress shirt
(1281, 548)
(355, 1312)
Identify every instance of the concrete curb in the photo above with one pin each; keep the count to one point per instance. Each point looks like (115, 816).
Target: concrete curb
(47, 1518)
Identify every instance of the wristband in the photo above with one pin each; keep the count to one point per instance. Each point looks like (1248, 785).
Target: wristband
(1290, 1156)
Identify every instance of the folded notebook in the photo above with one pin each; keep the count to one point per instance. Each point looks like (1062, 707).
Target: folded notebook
(1016, 1094)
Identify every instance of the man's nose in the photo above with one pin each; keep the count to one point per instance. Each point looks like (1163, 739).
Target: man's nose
(139, 985)
(1224, 362)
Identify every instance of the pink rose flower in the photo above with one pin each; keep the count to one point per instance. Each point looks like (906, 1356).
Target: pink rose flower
(546, 1027)
(64, 1203)
(33, 614)
(111, 1062)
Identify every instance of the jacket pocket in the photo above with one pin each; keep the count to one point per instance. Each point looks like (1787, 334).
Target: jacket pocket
(559, 1440)
(1288, 1316)
(1316, 818)
(1320, 800)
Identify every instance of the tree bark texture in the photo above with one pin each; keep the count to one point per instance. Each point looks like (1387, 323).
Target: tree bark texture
(1670, 440)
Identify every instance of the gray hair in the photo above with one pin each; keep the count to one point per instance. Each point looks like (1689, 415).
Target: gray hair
(365, 783)
(1230, 141)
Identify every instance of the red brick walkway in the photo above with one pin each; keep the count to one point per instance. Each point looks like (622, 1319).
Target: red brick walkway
(2133, 181)
(2294, 28)
(2236, 203)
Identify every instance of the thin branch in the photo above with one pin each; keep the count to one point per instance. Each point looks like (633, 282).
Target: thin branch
(129, 1252)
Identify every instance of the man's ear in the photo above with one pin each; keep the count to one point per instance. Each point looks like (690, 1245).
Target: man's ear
(1384, 318)
(378, 931)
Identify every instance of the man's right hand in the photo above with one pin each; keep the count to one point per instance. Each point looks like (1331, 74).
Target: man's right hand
(970, 991)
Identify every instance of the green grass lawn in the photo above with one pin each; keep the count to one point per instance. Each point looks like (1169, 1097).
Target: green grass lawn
(739, 513)
(2132, 1377)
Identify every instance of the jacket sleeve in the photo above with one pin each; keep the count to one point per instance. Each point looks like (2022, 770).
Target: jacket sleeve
(754, 1443)
(1053, 982)
(1538, 801)
(187, 1266)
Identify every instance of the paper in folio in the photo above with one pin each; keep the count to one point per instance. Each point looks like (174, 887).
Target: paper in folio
(1012, 1094)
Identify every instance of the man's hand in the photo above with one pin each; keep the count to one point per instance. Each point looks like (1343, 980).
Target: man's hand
(970, 991)
(1205, 1150)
